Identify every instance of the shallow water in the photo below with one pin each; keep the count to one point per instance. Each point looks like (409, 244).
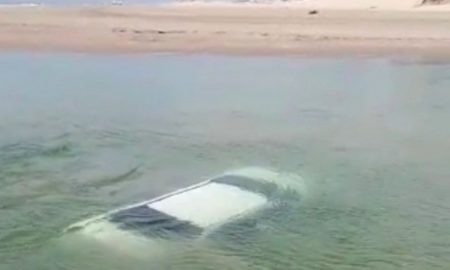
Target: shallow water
(79, 2)
(129, 2)
(81, 134)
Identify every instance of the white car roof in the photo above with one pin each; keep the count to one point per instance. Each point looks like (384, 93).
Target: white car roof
(210, 204)
(194, 210)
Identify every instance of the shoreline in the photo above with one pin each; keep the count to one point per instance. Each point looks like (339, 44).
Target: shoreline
(227, 30)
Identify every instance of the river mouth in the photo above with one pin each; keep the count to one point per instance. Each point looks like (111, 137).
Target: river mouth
(83, 134)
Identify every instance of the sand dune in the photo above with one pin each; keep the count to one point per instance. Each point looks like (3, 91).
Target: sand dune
(231, 30)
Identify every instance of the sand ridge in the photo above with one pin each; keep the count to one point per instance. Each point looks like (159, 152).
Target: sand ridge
(229, 30)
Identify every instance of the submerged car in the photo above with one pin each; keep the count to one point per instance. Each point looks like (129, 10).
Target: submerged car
(195, 212)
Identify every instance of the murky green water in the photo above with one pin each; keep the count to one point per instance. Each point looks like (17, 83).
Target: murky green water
(80, 135)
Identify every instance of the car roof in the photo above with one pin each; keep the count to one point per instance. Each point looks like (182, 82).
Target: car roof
(192, 210)
(210, 204)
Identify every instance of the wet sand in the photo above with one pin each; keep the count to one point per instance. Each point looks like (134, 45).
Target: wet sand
(229, 30)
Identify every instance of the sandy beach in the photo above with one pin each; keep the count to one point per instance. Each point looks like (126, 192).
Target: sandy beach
(228, 29)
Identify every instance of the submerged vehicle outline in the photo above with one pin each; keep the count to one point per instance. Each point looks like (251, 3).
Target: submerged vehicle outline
(194, 212)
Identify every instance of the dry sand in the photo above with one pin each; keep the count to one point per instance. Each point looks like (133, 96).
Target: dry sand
(356, 30)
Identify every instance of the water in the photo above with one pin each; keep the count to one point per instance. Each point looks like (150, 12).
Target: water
(129, 2)
(82, 134)
(80, 2)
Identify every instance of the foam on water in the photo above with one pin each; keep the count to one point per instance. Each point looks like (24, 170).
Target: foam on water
(284, 180)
